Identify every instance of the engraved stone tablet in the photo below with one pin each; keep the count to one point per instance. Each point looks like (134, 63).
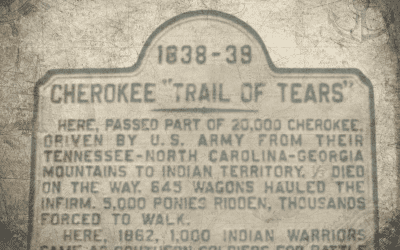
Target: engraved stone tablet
(204, 145)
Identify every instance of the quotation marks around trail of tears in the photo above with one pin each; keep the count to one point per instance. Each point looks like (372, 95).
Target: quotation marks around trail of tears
(219, 153)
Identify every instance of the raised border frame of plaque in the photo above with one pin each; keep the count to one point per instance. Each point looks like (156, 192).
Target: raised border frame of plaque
(353, 71)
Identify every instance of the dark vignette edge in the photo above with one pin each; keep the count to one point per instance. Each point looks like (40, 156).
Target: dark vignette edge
(147, 44)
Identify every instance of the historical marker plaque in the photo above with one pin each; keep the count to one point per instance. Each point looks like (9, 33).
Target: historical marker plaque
(204, 145)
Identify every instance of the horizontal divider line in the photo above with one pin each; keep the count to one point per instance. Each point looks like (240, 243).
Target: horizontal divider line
(205, 110)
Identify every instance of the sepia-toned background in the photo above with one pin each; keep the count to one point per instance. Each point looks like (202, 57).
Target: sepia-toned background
(39, 35)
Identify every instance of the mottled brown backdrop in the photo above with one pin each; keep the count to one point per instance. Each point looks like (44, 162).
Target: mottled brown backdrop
(39, 35)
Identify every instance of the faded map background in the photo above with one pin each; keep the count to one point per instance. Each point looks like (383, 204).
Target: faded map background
(39, 35)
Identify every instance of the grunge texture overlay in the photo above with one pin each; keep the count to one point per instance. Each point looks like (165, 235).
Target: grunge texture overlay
(39, 35)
